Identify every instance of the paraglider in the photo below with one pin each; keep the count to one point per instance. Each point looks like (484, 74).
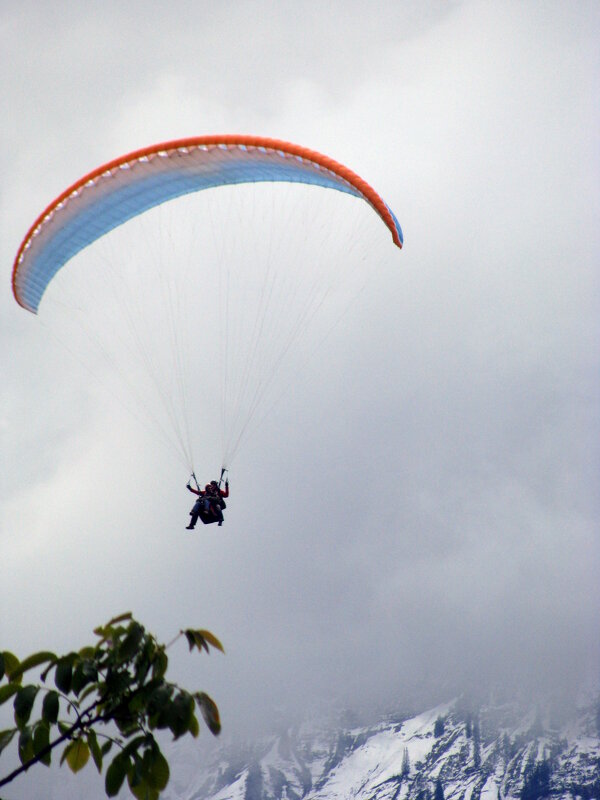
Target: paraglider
(210, 503)
(125, 190)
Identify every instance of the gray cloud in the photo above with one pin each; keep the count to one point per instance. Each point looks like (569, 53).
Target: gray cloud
(420, 512)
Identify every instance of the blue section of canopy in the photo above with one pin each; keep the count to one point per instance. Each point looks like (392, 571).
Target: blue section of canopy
(397, 224)
(104, 206)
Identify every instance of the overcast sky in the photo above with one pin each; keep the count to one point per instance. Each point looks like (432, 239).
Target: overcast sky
(446, 438)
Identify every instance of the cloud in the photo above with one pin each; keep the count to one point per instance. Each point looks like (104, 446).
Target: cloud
(418, 513)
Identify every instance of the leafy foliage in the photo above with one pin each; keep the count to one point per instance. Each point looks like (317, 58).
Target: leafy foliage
(114, 691)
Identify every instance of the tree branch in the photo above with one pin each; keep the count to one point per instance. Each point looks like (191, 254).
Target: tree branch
(79, 724)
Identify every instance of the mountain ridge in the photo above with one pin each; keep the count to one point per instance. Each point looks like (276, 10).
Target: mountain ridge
(455, 751)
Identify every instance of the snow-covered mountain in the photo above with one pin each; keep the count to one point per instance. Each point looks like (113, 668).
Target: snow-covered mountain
(451, 751)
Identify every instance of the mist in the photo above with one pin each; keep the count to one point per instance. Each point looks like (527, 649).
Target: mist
(417, 517)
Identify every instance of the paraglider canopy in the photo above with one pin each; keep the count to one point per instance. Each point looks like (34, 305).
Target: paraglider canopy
(134, 183)
(198, 307)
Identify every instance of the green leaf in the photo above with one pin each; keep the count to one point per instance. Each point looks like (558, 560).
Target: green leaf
(137, 703)
(92, 741)
(85, 672)
(6, 738)
(133, 746)
(194, 727)
(31, 661)
(116, 683)
(179, 714)
(6, 692)
(44, 674)
(76, 754)
(63, 758)
(201, 642)
(159, 699)
(121, 618)
(141, 790)
(134, 773)
(11, 664)
(106, 747)
(160, 664)
(202, 639)
(157, 771)
(25, 745)
(211, 639)
(63, 675)
(24, 703)
(130, 644)
(41, 739)
(139, 781)
(93, 687)
(210, 712)
(144, 660)
(2, 667)
(50, 707)
(115, 775)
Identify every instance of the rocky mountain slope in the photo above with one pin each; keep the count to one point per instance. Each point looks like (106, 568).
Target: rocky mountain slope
(453, 751)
